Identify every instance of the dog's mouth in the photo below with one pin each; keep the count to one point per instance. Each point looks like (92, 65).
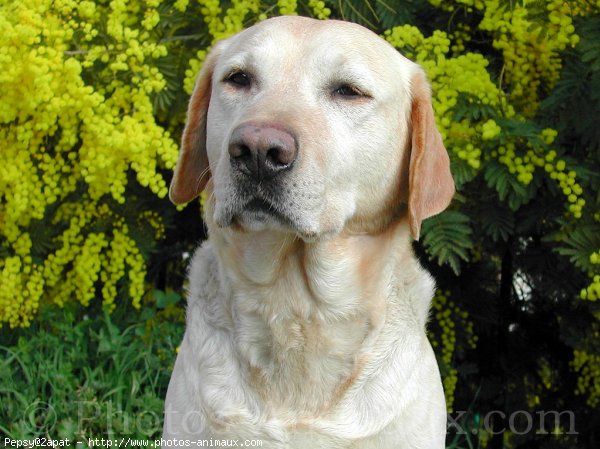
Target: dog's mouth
(260, 210)
(260, 205)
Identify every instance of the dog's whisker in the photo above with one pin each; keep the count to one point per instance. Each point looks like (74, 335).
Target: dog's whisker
(201, 177)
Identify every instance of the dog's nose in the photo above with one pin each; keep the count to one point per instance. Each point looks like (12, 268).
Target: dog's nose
(262, 151)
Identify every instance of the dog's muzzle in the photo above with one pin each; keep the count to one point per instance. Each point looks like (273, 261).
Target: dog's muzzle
(265, 189)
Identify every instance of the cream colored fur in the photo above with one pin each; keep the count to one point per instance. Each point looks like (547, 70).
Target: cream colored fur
(309, 331)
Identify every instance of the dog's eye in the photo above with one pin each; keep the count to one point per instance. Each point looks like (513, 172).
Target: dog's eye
(347, 90)
(238, 78)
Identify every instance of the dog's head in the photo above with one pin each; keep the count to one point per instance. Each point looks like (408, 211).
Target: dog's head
(312, 127)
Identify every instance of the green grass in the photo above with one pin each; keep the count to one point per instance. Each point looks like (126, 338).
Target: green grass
(78, 377)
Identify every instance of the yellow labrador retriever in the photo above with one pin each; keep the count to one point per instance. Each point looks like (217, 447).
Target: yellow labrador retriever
(317, 145)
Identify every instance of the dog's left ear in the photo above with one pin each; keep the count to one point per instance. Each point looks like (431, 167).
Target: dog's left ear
(430, 183)
(192, 170)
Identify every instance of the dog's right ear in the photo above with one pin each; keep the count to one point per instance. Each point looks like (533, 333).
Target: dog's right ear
(192, 170)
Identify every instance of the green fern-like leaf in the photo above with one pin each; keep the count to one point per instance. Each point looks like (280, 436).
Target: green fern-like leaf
(167, 96)
(362, 12)
(578, 245)
(376, 15)
(447, 238)
(462, 172)
(498, 223)
(470, 107)
(510, 190)
(396, 12)
(572, 107)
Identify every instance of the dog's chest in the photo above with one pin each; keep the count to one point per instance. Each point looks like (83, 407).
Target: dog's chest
(301, 357)
(301, 354)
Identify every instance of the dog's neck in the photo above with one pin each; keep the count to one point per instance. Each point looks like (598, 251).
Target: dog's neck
(338, 274)
(305, 314)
